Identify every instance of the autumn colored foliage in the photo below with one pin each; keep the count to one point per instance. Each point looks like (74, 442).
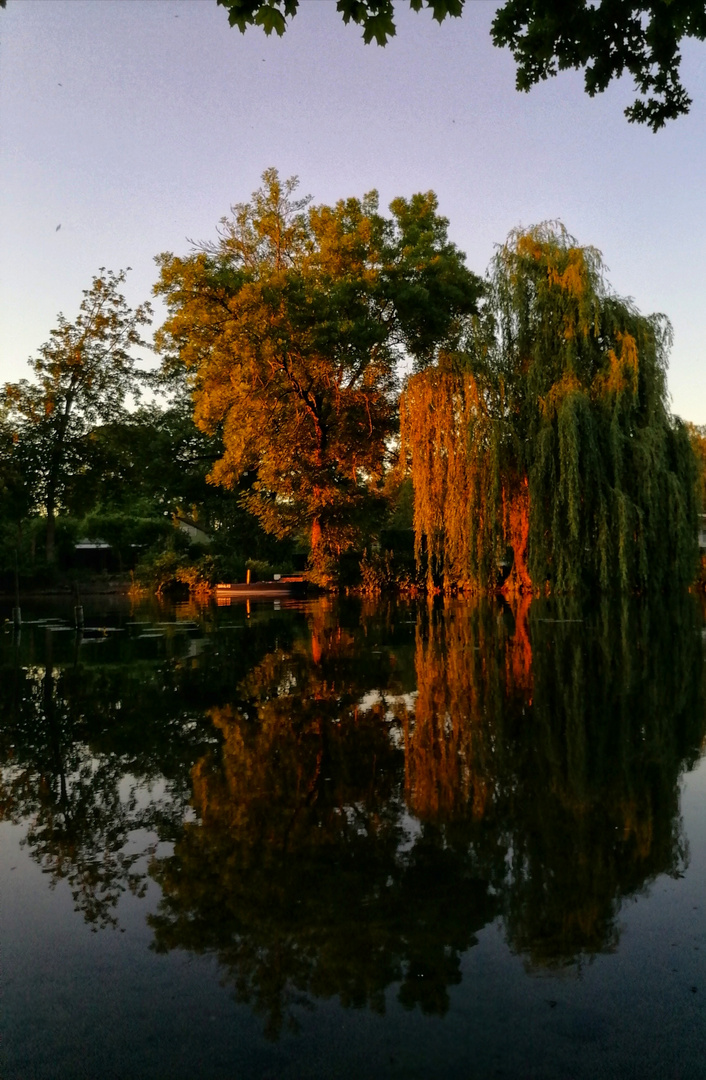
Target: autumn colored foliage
(292, 327)
(549, 434)
(326, 359)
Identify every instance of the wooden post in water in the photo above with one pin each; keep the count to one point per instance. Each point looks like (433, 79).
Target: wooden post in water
(16, 613)
(78, 609)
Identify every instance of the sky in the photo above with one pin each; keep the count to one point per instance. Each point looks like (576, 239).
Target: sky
(136, 124)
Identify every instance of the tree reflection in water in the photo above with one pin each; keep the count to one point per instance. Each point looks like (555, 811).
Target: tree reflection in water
(570, 753)
(543, 782)
(301, 869)
(366, 795)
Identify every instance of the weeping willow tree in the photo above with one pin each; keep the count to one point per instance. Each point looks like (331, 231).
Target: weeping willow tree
(550, 435)
(470, 496)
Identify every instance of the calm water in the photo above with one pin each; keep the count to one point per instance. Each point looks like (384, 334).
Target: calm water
(354, 840)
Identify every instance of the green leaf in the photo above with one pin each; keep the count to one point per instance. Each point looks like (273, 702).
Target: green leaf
(269, 18)
(352, 11)
(443, 8)
(380, 27)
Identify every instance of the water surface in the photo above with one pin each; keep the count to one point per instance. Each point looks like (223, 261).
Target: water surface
(354, 839)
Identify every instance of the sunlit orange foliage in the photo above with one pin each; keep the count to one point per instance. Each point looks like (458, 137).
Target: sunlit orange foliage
(454, 496)
(621, 372)
(434, 416)
(291, 327)
(547, 440)
(559, 391)
(516, 509)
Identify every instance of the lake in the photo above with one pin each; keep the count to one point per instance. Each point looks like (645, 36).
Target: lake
(354, 839)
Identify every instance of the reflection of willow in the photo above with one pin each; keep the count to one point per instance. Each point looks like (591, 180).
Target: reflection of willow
(578, 769)
(298, 870)
(473, 667)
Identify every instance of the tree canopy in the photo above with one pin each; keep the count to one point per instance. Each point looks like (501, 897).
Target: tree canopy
(550, 435)
(292, 326)
(82, 376)
(697, 435)
(605, 38)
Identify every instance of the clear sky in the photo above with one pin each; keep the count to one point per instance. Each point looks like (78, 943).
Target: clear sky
(135, 124)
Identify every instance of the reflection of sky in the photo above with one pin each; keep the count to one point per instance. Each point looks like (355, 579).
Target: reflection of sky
(70, 995)
(395, 703)
(134, 126)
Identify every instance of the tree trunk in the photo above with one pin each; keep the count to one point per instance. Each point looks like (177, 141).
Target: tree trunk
(516, 513)
(57, 461)
(315, 536)
(319, 556)
(51, 525)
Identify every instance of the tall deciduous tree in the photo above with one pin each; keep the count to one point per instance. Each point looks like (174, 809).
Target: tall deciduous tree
(293, 325)
(82, 376)
(556, 434)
